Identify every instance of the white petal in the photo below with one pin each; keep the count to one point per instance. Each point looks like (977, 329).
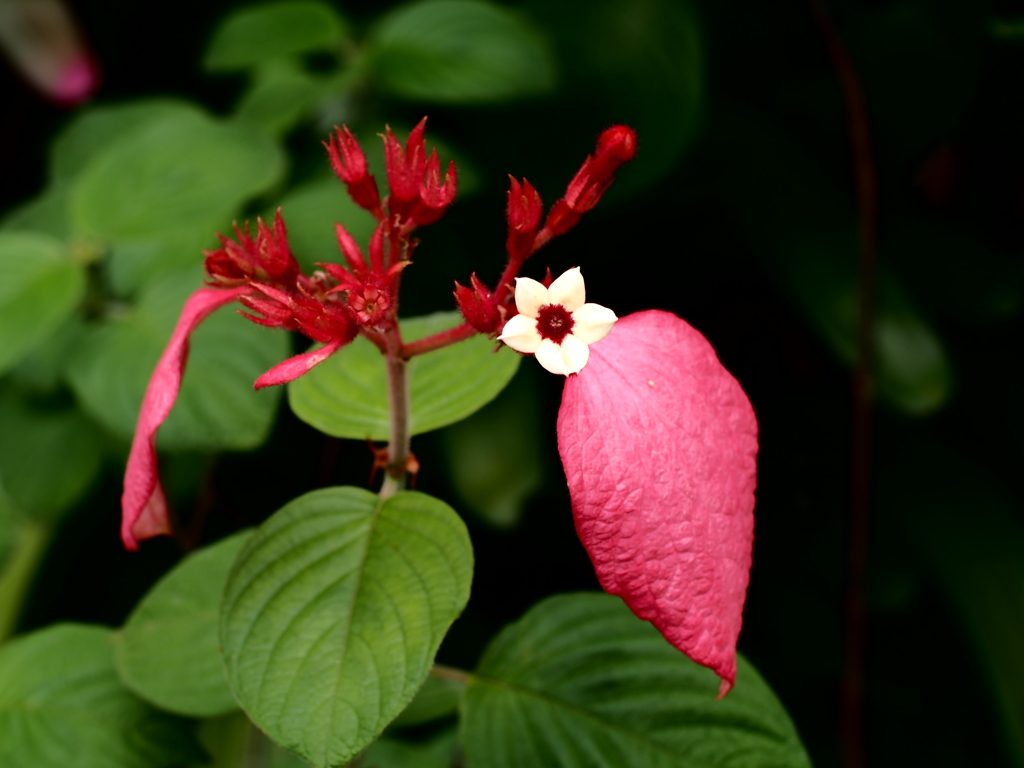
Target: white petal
(520, 333)
(530, 296)
(568, 289)
(592, 322)
(574, 354)
(549, 355)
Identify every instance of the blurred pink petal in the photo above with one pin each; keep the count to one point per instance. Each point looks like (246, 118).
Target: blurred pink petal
(40, 38)
(143, 506)
(294, 367)
(659, 444)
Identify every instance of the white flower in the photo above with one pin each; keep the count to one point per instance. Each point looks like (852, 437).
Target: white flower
(554, 324)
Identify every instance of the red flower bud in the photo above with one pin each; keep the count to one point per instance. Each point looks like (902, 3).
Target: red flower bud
(523, 210)
(349, 164)
(478, 306)
(267, 259)
(435, 197)
(615, 146)
(406, 166)
(351, 250)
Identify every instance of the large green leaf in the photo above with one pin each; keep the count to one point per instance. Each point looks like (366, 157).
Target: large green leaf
(217, 407)
(460, 51)
(258, 33)
(168, 651)
(280, 96)
(334, 611)
(347, 396)
(62, 705)
(159, 194)
(96, 129)
(47, 213)
(310, 212)
(438, 698)
(39, 287)
(580, 681)
(48, 456)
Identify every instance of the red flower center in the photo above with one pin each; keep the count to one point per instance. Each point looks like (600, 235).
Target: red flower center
(554, 322)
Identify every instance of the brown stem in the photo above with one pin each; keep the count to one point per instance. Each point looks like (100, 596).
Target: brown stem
(438, 340)
(449, 673)
(852, 689)
(398, 396)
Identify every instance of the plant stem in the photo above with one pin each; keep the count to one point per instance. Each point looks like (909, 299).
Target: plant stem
(19, 570)
(449, 673)
(852, 690)
(398, 398)
(438, 340)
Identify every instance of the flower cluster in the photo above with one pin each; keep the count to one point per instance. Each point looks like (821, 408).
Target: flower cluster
(331, 306)
(488, 310)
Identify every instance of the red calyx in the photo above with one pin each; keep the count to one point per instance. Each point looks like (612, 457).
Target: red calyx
(523, 211)
(267, 259)
(406, 166)
(478, 306)
(349, 164)
(435, 196)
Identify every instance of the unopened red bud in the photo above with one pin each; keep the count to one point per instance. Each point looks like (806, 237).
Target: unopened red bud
(351, 250)
(523, 211)
(405, 166)
(435, 196)
(478, 306)
(349, 164)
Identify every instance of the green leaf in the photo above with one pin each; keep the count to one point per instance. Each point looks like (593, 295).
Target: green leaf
(460, 51)
(256, 34)
(47, 213)
(334, 611)
(436, 752)
(580, 681)
(217, 407)
(281, 94)
(346, 396)
(479, 452)
(232, 741)
(310, 212)
(40, 286)
(96, 129)
(168, 651)
(23, 543)
(159, 194)
(438, 697)
(61, 705)
(48, 456)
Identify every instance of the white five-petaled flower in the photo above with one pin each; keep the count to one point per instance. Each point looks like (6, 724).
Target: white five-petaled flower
(554, 324)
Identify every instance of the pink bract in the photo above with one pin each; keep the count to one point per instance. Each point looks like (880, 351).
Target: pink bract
(143, 506)
(659, 446)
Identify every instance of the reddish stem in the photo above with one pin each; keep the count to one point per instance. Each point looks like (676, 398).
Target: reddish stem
(438, 340)
(866, 183)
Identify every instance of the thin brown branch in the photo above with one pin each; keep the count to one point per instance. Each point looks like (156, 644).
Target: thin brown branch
(866, 185)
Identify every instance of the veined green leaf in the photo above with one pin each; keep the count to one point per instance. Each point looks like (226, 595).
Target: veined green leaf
(168, 651)
(580, 681)
(333, 613)
(61, 704)
(347, 395)
(460, 51)
(39, 287)
(159, 195)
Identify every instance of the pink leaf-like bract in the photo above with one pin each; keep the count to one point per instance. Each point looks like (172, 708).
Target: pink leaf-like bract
(659, 445)
(296, 366)
(143, 506)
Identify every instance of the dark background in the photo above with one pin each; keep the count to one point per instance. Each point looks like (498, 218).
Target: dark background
(687, 233)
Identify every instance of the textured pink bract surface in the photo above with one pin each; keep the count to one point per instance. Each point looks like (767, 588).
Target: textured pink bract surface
(659, 445)
(143, 506)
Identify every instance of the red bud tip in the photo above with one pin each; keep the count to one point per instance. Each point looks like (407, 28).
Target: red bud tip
(523, 211)
(267, 259)
(477, 306)
(349, 247)
(349, 164)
